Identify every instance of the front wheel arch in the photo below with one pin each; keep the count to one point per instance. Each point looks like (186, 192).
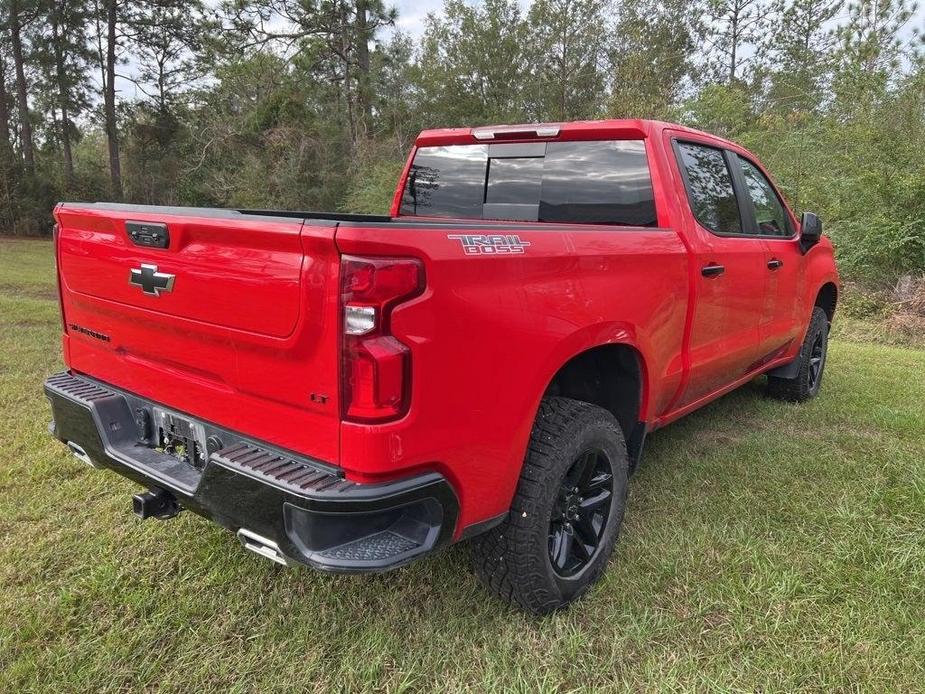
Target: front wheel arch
(827, 299)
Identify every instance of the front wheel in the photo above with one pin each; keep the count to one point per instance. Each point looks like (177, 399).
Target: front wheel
(567, 511)
(811, 363)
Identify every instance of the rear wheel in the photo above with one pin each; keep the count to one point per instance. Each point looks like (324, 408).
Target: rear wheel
(811, 363)
(567, 511)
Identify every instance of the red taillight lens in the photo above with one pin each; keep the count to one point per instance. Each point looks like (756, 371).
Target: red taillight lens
(377, 367)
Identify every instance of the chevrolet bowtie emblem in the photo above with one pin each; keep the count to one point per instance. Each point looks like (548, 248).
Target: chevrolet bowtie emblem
(150, 280)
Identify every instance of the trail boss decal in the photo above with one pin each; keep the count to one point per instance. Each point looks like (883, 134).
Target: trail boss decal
(493, 244)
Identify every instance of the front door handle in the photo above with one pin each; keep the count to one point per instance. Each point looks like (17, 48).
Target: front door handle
(712, 270)
(774, 263)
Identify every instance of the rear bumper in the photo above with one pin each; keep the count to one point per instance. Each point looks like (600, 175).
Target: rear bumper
(284, 506)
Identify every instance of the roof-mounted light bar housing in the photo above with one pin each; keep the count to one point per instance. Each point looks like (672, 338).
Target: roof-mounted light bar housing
(516, 131)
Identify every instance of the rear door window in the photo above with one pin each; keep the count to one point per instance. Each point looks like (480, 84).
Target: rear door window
(709, 188)
(592, 182)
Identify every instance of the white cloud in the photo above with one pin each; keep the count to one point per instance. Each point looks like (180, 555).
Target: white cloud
(412, 13)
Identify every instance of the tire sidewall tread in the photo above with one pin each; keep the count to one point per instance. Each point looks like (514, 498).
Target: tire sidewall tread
(512, 559)
(798, 389)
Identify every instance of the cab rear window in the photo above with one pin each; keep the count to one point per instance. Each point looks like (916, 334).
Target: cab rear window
(593, 182)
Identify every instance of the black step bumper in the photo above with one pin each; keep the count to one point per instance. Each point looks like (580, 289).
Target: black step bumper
(282, 505)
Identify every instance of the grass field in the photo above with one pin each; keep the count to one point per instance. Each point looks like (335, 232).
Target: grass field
(766, 547)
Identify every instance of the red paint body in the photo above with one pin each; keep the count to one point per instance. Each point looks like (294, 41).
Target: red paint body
(250, 337)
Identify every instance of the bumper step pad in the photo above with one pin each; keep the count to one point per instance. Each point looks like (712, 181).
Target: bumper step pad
(373, 548)
(86, 392)
(297, 475)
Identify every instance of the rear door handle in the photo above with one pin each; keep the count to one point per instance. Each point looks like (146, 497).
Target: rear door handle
(774, 263)
(712, 270)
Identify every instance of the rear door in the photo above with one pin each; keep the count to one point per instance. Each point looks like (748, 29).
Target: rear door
(225, 316)
(731, 271)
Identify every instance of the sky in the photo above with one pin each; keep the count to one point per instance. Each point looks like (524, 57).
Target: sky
(411, 14)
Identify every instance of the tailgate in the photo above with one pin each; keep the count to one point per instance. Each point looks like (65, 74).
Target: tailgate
(234, 321)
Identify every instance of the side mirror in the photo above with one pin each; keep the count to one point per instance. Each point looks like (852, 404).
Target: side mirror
(810, 230)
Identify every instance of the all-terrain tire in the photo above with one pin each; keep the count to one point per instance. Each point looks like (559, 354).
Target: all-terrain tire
(811, 363)
(513, 559)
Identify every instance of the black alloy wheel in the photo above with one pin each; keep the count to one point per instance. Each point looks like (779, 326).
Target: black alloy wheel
(567, 511)
(579, 515)
(802, 379)
(816, 360)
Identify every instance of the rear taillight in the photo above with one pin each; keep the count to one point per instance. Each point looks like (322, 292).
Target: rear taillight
(376, 367)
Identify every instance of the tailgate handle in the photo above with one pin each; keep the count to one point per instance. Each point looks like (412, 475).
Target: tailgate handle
(148, 234)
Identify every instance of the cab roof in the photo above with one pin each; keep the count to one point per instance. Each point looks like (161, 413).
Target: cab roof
(574, 130)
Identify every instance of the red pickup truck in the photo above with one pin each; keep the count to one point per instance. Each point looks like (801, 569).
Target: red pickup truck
(352, 392)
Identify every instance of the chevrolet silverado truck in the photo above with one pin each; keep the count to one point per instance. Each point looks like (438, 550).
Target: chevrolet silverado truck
(353, 392)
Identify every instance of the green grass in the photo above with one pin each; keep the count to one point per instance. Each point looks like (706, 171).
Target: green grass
(766, 547)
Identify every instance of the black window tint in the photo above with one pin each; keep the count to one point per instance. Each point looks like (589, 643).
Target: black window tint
(513, 187)
(514, 181)
(446, 182)
(712, 197)
(597, 182)
(770, 214)
(600, 182)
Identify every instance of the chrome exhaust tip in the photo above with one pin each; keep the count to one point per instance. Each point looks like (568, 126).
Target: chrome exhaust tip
(260, 545)
(81, 454)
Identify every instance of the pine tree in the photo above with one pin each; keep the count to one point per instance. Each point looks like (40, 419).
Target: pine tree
(6, 144)
(344, 28)
(166, 40)
(108, 16)
(473, 64)
(735, 28)
(871, 39)
(18, 19)
(566, 49)
(797, 52)
(62, 56)
(652, 57)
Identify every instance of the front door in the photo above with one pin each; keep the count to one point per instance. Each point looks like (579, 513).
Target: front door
(783, 318)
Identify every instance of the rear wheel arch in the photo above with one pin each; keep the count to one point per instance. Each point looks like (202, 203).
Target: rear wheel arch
(611, 376)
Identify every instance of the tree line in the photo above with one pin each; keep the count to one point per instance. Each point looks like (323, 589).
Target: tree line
(312, 104)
